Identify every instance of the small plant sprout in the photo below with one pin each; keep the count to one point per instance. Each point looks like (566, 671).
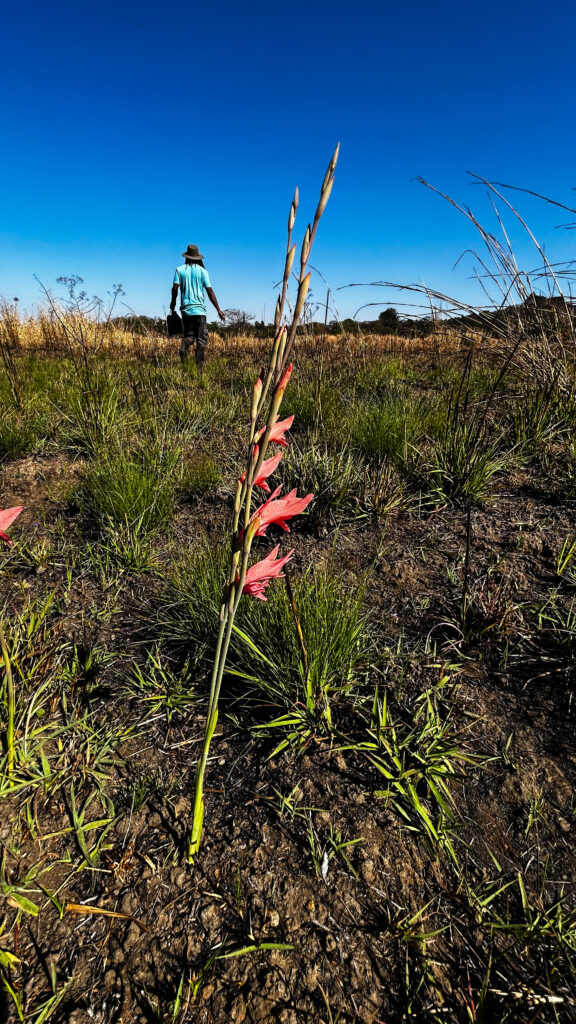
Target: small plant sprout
(267, 396)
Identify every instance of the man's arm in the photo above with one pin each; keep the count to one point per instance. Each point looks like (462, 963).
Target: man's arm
(174, 297)
(214, 301)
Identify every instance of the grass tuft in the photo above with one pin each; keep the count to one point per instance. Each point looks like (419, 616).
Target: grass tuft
(130, 494)
(394, 428)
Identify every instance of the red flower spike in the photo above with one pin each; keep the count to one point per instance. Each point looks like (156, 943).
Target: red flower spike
(278, 431)
(258, 576)
(7, 517)
(278, 510)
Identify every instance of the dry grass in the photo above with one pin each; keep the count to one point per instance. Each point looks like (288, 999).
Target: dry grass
(51, 334)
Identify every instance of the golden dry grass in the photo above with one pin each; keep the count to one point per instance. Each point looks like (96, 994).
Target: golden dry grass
(67, 332)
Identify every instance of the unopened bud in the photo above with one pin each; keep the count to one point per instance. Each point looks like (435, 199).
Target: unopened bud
(283, 383)
(305, 247)
(251, 533)
(290, 261)
(331, 167)
(253, 459)
(293, 208)
(301, 298)
(280, 345)
(324, 198)
(256, 395)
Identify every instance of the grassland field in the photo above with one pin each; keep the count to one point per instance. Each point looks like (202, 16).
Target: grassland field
(401, 850)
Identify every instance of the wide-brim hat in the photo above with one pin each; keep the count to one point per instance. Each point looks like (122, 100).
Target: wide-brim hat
(193, 253)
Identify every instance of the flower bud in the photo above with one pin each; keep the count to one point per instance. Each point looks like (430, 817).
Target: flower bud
(325, 197)
(301, 297)
(290, 261)
(305, 247)
(283, 383)
(277, 313)
(293, 208)
(256, 395)
(331, 167)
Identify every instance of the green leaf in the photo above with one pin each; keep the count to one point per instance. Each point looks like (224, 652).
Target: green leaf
(8, 960)
(52, 1003)
(250, 643)
(16, 899)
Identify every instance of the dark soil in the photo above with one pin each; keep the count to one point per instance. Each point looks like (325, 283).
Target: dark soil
(391, 934)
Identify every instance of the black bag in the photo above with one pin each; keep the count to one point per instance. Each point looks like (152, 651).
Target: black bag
(173, 324)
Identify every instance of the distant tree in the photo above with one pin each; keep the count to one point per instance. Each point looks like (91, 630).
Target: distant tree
(237, 320)
(349, 325)
(389, 321)
(141, 324)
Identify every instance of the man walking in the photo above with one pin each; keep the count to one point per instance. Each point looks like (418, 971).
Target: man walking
(193, 281)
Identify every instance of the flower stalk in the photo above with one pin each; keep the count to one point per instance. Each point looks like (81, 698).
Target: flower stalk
(246, 525)
(10, 703)
(7, 517)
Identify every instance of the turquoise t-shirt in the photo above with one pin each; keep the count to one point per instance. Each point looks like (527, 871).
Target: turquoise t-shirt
(193, 280)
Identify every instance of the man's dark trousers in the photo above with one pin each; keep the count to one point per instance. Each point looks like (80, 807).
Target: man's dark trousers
(195, 333)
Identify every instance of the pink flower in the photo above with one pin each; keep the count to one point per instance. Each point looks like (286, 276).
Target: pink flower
(267, 467)
(278, 510)
(278, 430)
(258, 576)
(7, 516)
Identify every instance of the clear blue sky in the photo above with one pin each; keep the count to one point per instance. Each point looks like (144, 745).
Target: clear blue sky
(131, 129)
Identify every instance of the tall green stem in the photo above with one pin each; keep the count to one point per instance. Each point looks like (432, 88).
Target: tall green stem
(10, 701)
(227, 616)
(242, 541)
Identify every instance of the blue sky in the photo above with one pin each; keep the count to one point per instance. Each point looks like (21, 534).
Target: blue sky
(131, 129)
